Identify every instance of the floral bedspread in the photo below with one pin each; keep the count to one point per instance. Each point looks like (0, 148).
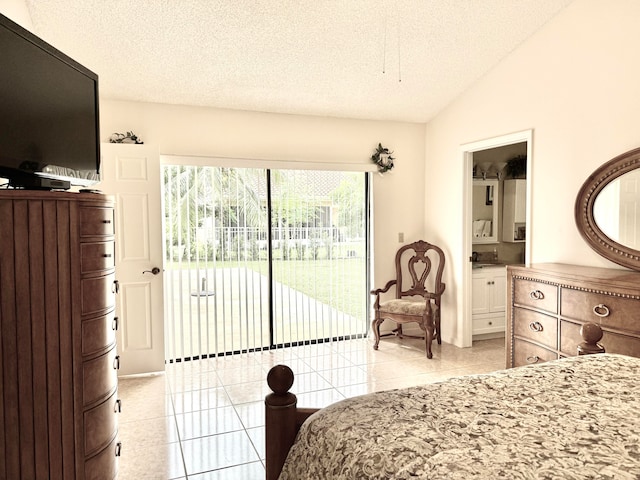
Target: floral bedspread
(576, 418)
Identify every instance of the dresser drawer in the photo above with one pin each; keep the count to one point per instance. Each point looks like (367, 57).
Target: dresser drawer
(102, 466)
(612, 342)
(96, 221)
(99, 333)
(96, 256)
(525, 353)
(100, 377)
(536, 294)
(98, 294)
(100, 425)
(535, 326)
(617, 313)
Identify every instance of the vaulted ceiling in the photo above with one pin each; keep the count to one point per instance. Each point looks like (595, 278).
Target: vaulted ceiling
(401, 60)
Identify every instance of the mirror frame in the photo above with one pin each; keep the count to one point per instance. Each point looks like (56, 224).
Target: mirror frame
(585, 221)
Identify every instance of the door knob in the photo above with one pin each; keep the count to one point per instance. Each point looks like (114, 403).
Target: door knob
(154, 270)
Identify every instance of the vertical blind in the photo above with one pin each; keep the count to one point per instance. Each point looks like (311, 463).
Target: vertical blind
(257, 259)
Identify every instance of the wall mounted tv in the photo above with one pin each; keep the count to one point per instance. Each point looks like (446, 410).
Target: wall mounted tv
(49, 121)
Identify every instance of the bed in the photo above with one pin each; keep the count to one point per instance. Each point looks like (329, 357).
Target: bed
(573, 418)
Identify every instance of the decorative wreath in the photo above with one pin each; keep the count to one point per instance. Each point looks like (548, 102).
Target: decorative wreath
(383, 159)
(130, 137)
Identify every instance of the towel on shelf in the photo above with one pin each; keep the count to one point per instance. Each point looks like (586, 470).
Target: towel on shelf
(478, 226)
(486, 230)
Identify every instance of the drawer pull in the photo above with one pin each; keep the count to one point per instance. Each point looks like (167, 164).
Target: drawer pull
(533, 359)
(115, 288)
(116, 363)
(118, 406)
(537, 295)
(106, 255)
(114, 324)
(536, 326)
(118, 448)
(106, 221)
(601, 310)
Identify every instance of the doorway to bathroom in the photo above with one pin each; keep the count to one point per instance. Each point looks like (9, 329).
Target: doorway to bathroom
(497, 228)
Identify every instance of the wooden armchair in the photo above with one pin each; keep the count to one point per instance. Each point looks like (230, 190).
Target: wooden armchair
(419, 268)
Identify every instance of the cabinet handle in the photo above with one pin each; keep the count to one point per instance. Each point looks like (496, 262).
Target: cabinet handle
(533, 359)
(601, 310)
(114, 323)
(116, 286)
(536, 326)
(106, 221)
(118, 448)
(118, 406)
(537, 295)
(106, 255)
(116, 363)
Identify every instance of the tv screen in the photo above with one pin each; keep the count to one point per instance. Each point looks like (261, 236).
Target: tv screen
(49, 125)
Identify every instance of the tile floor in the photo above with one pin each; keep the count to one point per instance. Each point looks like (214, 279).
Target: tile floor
(204, 420)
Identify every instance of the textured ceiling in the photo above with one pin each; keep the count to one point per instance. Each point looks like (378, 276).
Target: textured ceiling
(373, 59)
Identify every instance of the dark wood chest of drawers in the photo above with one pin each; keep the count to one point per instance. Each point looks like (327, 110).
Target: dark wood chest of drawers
(548, 303)
(58, 358)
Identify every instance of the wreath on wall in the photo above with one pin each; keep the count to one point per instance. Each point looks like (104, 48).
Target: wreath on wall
(382, 157)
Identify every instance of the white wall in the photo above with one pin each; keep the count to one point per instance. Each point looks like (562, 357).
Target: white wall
(576, 84)
(398, 194)
(17, 11)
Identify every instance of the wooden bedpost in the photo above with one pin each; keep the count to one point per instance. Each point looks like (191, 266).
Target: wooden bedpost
(280, 419)
(591, 334)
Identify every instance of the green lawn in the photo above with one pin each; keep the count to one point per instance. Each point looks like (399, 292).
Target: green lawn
(340, 283)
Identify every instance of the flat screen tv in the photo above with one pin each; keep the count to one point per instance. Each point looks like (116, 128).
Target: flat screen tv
(49, 121)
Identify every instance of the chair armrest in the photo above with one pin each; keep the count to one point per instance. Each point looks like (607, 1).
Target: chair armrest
(386, 288)
(378, 291)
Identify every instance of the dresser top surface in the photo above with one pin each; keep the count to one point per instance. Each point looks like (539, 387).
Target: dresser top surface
(578, 275)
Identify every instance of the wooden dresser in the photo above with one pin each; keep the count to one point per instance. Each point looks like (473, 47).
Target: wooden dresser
(58, 360)
(548, 303)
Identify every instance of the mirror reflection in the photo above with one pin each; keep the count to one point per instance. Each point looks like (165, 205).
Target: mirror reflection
(616, 210)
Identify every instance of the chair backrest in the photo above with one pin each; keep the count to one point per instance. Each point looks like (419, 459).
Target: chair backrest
(419, 267)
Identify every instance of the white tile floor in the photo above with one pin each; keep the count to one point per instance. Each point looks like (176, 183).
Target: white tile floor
(204, 420)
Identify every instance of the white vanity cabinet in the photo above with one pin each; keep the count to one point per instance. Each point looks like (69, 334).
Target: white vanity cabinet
(514, 211)
(489, 299)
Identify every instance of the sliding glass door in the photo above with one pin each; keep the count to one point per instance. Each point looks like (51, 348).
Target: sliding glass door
(258, 258)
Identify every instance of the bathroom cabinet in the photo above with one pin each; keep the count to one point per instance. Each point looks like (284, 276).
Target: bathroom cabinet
(488, 306)
(514, 211)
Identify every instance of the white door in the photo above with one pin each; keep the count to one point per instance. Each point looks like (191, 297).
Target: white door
(131, 173)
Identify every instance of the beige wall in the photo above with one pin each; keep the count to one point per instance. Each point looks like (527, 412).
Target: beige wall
(398, 194)
(576, 84)
(17, 11)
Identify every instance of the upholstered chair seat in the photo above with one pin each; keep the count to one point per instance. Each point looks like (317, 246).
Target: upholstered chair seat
(407, 307)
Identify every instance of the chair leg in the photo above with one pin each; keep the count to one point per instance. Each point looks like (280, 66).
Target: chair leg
(428, 331)
(375, 326)
(428, 339)
(399, 330)
(438, 337)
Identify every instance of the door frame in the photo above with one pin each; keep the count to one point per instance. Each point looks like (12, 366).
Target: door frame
(467, 151)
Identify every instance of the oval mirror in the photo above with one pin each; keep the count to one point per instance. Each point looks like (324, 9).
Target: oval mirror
(607, 210)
